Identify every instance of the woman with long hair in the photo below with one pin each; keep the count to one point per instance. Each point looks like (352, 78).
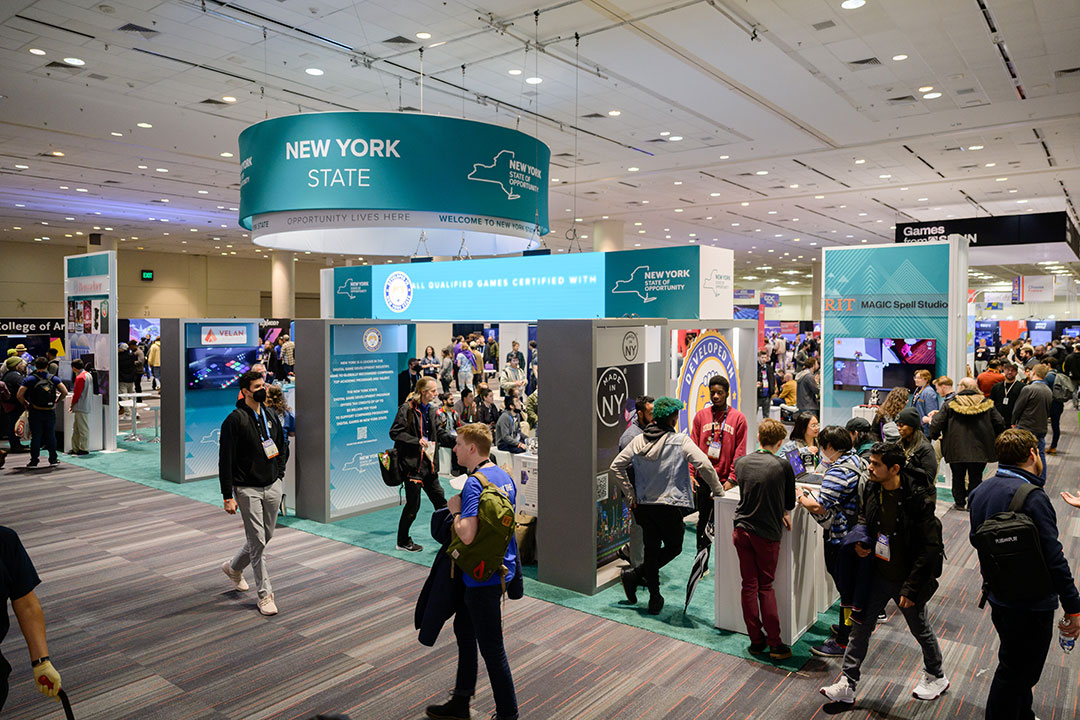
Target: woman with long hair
(446, 370)
(429, 364)
(895, 401)
(275, 401)
(803, 438)
(417, 435)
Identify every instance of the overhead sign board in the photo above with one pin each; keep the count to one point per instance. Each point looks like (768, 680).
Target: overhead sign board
(212, 335)
(1026, 229)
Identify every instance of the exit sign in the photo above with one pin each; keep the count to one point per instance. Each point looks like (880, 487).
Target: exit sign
(148, 275)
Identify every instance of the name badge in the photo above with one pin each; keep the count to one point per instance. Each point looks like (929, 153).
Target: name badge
(881, 549)
(1005, 401)
(714, 450)
(270, 448)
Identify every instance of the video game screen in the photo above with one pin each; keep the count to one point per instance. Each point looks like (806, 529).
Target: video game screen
(218, 368)
(866, 363)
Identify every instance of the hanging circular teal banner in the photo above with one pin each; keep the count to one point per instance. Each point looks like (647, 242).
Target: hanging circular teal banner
(358, 182)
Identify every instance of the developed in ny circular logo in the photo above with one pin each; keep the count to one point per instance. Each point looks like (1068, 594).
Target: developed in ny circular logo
(709, 355)
(398, 291)
(372, 339)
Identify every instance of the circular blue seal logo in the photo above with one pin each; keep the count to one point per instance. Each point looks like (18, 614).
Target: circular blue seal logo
(398, 291)
(709, 355)
(372, 339)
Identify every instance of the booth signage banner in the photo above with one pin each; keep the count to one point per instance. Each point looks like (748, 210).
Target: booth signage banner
(364, 363)
(379, 170)
(1029, 228)
(617, 387)
(770, 300)
(709, 355)
(881, 292)
(224, 335)
(23, 326)
(745, 294)
(1033, 288)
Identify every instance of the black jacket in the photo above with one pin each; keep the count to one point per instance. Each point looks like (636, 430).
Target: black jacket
(920, 531)
(968, 425)
(125, 360)
(406, 431)
(241, 458)
(925, 458)
(997, 394)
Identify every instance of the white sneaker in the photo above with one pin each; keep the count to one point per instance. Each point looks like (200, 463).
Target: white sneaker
(841, 691)
(267, 606)
(930, 687)
(237, 576)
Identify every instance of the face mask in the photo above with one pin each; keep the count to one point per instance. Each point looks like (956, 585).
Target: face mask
(259, 396)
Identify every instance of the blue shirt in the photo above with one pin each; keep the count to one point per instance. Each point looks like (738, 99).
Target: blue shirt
(470, 507)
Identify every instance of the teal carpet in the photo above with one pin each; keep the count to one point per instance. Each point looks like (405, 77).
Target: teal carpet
(376, 531)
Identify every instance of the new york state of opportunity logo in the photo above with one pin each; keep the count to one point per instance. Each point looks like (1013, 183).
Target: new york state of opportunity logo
(398, 291)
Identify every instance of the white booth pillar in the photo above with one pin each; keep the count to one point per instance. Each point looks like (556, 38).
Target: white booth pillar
(607, 235)
(282, 283)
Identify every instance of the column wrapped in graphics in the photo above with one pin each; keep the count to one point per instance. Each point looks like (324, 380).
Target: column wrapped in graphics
(90, 302)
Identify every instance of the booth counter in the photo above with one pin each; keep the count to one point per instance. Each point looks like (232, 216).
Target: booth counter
(802, 585)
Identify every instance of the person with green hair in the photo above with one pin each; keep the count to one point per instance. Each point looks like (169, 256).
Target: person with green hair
(659, 492)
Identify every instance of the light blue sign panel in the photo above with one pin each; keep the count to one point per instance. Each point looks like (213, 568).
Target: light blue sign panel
(364, 361)
(881, 292)
(492, 290)
(392, 162)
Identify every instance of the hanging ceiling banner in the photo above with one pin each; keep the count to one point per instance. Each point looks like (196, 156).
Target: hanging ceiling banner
(369, 183)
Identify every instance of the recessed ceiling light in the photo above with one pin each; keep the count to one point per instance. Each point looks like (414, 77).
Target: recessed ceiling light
(57, 153)
(1012, 190)
(144, 125)
(675, 138)
(793, 185)
(36, 51)
(164, 199)
(926, 88)
(514, 71)
(1002, 179)
(534, 80)
(632, 169)
(772, 212)
(885, 176)
(638, 224)
(313, 71)
(81, 190)
(77, 62)
(162, 169)
(204, 192)
(226, 154)
(714, 194)
(117, 134)
(724, 157)
(109, 229)
(923, 199)
(555, 180)
(423, 35)
(762, 172)
(228, 98)
(637, 244)
(22, 167)
(141, 167)
(665, 133)
(931, 96)
(641, 232)
(644, 202)
(819, 197)
(862, 214)
(734, 224)
(975, 147)
(852, 4)
(678, 209)
(678, 182)
(990, 165)
(1021, 201)
(900, 57)
(69, 218)
(614, 113)
(63, 187)
(903, 188)
(860, 161)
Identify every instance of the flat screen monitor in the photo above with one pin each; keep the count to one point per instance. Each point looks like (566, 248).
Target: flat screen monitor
(795, 460)
(1040, 337)
(218, 368)
(864, 363)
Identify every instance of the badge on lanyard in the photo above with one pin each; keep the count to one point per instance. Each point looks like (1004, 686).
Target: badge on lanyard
(1005, 401)
(714, 450)
(881, 549)
(270, 448)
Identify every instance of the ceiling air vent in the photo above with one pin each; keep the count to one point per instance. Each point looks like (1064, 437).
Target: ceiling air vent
(564, 154)
(657, 140)
(63, 66)
(95, 76)
(212, 101)
(112, 182)
(627, 184)
(864, 63)
(593, 116)
(1067, 73)
(824, 25)
(901, 100)
(965, 91)
(398, 40)
(147, 33)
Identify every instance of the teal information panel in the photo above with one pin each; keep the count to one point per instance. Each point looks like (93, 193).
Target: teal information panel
(654, 283)
(364, 365)
(891, 292)
(393, 162)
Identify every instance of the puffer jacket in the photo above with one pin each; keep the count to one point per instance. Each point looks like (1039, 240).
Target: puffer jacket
(968, 425)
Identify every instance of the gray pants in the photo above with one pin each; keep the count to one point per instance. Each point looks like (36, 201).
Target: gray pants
(258, 509)
(883, 591)
(80, 431)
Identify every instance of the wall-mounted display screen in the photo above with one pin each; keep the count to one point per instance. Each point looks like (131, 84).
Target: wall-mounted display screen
(217, 368)
(865, 363)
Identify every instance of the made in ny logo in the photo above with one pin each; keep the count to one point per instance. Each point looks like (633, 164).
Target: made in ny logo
(630, 346)
(398, 291)
(508, 173)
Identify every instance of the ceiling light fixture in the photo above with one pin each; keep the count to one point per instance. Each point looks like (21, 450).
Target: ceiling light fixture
(162, 169)
(793, 186)
(762, 172)
(1001, 179)
(745, 204)
(614, 113)
(975, 147)
(534, 80)
(899, 58)
(316, 72)
(226, 154)
(665, 133)
(514, 71)
(931, 96)
(990, 165)
(632, 169)
(675, 138)
(819, 197)
(204, 192)
(36, 51)
(884, 177)
(57, 153)
(144, 125)
(423, 35)
(116, 134)
(714, 194)
(22, 167)
(228, 98)
(77, 62)
(852, 4)
(860, 161)
(141, 167)
(926, 88)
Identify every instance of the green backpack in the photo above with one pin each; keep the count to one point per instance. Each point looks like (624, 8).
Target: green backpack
(496, 517)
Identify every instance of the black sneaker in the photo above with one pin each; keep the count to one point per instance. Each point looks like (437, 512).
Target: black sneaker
(456, 709)
(656, 603)
(629, 584)
(3, 457)
(54, 461)
(780, 652)
(834, 629)
(761, 649)
(32, 464)
(410, 547)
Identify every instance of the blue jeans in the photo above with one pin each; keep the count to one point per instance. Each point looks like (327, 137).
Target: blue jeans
(42, 430)
(1042, 453)
(479, 623)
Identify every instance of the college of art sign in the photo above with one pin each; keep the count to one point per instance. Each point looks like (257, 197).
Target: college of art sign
(370, 182)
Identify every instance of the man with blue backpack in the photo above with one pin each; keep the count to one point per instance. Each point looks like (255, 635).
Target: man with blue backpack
(478, 623)
(39, 394)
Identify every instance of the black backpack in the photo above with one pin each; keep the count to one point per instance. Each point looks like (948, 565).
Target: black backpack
(1010, 554)
(43, 393)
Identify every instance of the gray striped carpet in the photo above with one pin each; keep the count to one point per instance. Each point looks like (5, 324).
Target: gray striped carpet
(142, 625)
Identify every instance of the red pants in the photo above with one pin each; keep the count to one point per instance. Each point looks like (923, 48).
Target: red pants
(757, 565)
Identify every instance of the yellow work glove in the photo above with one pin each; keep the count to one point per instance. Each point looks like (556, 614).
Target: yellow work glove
(46, 679)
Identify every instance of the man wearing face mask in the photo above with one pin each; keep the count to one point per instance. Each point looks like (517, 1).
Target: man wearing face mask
(251, 463)
(720, 433)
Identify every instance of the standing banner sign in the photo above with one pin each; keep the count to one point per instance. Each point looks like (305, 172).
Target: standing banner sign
(90, 302)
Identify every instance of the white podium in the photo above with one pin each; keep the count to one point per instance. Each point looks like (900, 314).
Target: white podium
(95, 441)
(803, 588)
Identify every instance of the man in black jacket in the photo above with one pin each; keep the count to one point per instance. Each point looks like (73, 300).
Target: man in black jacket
(251, 462)
(908, 553)
(1025, 628)
(1007, 392)
(417, 435)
